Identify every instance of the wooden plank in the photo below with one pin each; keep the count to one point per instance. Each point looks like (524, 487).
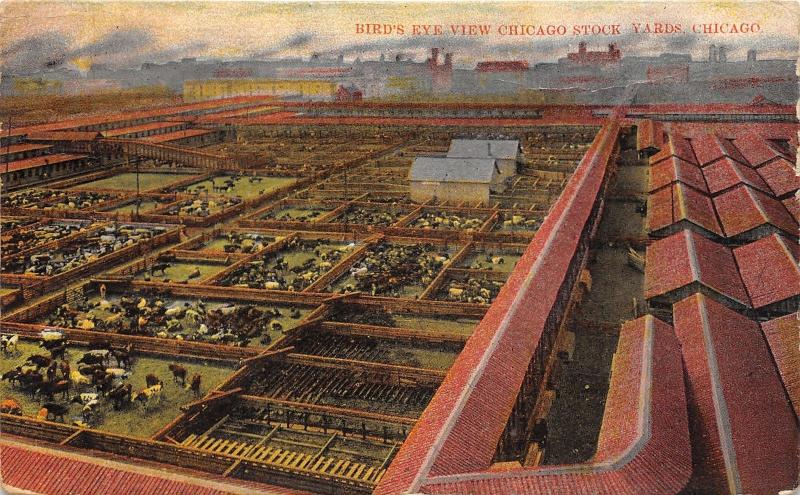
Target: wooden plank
(332, 410)
(267, 452)
(335, 467)
(368, 474)
(302, 457)
(72, 437)
(306, 461)
(394, 333)
(215, 396)
(357, 473)
(338, 470)
(255, 452)
(319, 461)
(419, 375)
(266, 356)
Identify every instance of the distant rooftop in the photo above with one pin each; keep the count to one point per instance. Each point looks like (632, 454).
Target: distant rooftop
(480, 170)
(484, 148)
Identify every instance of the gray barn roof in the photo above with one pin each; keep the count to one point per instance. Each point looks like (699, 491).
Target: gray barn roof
(484, 148)
(436, 169)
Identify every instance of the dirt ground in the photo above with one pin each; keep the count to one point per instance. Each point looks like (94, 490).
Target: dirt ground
(577, 413)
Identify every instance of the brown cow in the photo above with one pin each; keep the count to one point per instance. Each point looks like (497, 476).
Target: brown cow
(10, 406)
(195, 384)
(178, 373)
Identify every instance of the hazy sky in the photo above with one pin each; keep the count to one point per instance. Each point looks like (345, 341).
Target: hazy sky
(125, 34)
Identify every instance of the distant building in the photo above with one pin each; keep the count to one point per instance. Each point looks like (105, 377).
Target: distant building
(441, 75)
(454, 179)
(494, 72)
(506, 152)
(752, 55)
(723, 54)
(713, 54)
(583, 56)
(668, 73)
(195, 90)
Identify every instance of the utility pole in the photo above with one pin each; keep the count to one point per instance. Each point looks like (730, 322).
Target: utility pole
(8, 144)
(138, 197)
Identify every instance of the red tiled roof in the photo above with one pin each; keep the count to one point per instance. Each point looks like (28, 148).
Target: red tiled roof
(38, 469)
(150, 126)
(769, 269)
(672, 205)
(64, 136)
(40, 161)
(677, 145)
(21, 147)
(726, 173)
(687, 257)
(643, 445)
(43, 473)
(711, 147)
(792, 205)
(743, 208)
(174, 136)
(783, 338)
(135, 115)
(649, 134)
(755, 149)
(238, 112)
(675, 169)
(459, 430)
(781, 177)
(744, 434)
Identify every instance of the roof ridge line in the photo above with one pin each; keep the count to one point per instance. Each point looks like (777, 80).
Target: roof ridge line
(720, 405)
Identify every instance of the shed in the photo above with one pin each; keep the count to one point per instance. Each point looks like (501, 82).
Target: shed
(505, 151)
(454, 179)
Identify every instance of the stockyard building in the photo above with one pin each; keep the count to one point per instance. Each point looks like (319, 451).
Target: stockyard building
(378, 299)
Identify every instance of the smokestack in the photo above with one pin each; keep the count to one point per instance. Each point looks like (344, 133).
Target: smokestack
(723, 54)
(435, 55)
(448, 59)
(712, 53)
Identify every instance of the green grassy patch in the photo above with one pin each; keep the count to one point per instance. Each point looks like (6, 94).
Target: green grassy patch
(133, 420)
(127, 181)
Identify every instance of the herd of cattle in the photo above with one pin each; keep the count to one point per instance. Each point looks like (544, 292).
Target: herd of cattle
(99, 379)
(150, 315)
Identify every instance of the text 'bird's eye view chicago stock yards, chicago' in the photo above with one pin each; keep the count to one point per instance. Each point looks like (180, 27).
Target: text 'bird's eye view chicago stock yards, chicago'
(439, 248)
